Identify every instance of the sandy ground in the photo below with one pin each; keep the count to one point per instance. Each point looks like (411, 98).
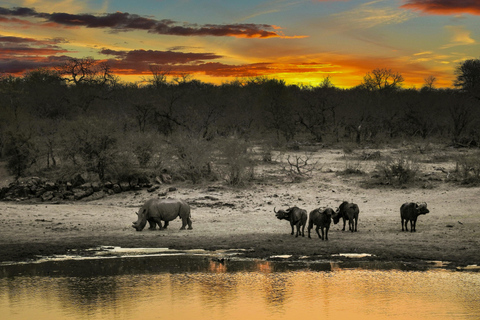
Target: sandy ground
(243, 218)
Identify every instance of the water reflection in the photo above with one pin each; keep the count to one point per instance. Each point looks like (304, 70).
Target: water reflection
(202, 288)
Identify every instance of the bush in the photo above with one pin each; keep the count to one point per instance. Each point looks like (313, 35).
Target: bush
(192, 157)
(95, 142)
(398, 171)
(21, 153)
(468, 168)
(239, 167)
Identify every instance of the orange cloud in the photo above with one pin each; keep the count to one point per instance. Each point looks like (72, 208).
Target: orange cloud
(444, 7)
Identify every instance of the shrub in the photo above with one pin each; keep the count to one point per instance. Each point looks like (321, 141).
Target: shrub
(192, 156)
(21, 153)
(352, 167)
(94, 141)
(398, 171)
(468, 168)
(239, 167)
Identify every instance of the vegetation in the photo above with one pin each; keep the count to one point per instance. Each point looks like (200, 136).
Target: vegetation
(80, 116)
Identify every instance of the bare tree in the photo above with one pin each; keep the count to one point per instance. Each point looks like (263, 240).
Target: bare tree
(429, 82)
(382, 79)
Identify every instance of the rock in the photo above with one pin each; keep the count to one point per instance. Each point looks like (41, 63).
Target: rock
(47, 196)
(77, 180)
(166, 178)
(117, 188)
(125, 186)
(152, 189)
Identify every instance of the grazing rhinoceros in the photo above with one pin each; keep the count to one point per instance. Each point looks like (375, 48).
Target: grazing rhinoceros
(322, 219)
(157, 210)
(347, 211)
(410, 211)
(296, 216)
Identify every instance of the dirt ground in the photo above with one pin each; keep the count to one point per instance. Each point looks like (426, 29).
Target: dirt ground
(243, 218)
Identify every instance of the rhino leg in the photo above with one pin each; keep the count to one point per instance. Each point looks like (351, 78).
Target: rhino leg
(152, 224)
(165, 225)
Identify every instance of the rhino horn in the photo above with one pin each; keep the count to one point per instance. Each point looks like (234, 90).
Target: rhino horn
(274, 209)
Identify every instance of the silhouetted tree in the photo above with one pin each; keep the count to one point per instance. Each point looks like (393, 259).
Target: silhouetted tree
(382, 79)
(468, 77)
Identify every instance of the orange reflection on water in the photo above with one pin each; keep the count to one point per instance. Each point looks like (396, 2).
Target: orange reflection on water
(217, 266)
(263, 294)
(264, 266)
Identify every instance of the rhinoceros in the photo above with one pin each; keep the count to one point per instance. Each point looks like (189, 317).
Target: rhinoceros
(157, 210)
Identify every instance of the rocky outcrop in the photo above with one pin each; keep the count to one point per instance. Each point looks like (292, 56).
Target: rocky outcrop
(35, 188)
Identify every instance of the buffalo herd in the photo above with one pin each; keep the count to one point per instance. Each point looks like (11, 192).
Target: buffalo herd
(154, 211)
(347, 211)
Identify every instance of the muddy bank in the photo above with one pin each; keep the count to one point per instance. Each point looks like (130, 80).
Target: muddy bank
(243, 218)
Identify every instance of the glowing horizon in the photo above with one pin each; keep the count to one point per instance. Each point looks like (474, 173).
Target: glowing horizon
(299, 42)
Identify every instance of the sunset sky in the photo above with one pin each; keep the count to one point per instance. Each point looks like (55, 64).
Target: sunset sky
(300, 41)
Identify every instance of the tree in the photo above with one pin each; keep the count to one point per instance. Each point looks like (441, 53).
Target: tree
(87, 71)
(468, 77)
(382, 79)
(429, 83)
(20, 151)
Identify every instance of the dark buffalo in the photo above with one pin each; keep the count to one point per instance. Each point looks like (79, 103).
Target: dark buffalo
(296, 216)
(347, 211)
(410, 211)
(322, 219)
(157, 210)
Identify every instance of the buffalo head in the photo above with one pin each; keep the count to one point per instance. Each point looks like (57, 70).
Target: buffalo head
(421, 208)
(282, 214)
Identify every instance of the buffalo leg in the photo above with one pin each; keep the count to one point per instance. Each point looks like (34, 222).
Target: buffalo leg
(303, 230)
(413, 225)
(356, 222)
(403, 229)
(344, 221)
(293, 226)
(319, 236)
(298, 230)
(326, 232)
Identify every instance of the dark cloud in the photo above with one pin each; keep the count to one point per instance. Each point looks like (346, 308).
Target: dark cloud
(17, 66)
(18, 54)
(139, 61)
(123, 21)
(444, 7)
(160, 57)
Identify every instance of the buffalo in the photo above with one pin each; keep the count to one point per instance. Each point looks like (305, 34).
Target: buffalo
(410, 211)
(322, 219)
(296, 216)
(157, 210)
(347, 211)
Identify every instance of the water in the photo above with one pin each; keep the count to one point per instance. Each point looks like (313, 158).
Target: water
(199, 287)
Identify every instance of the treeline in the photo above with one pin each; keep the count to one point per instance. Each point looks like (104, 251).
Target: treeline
(81, 118)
